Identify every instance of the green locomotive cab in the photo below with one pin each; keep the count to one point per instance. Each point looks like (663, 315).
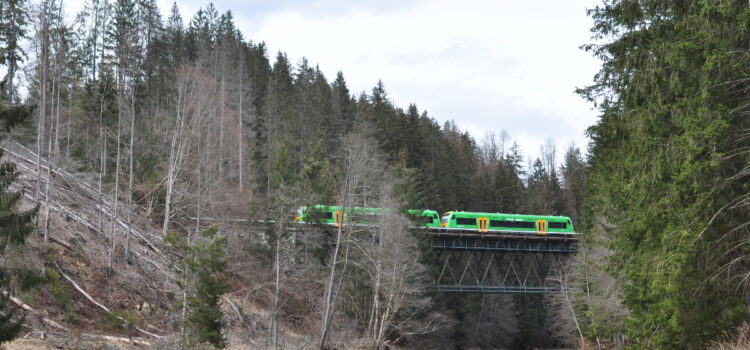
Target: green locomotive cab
(424, 218)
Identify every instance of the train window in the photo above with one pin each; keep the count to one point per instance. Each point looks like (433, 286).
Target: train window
(466, 221)
(559, 225)
(511, 224)
(315, 215)
(366, 218)
(422, 220)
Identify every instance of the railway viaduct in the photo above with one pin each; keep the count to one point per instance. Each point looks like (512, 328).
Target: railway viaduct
(507, 263)
(470, 262)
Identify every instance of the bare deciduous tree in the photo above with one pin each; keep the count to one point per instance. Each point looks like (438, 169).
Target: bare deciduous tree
(362, 168)
(561, 316)
(192, 106)
(497, 322)
(398, 278)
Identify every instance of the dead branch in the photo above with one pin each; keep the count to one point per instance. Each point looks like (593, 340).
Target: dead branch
(235, 308)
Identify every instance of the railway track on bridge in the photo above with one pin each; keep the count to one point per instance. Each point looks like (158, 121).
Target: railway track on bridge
(469, 261)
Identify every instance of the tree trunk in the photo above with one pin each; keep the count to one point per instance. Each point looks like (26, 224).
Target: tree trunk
(239, 126)
(102, 162)
(277, 290)
(116, 198)
(49, 171)
(130, 173)
(57, 117)
(42, 100)
(70, 111)
(170, 181)
(324, 328)
(221, 127)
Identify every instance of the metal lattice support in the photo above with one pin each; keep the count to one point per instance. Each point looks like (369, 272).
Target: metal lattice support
(471, 265)
(506, 245)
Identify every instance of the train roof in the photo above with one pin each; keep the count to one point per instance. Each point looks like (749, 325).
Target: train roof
(322, 206)
(528, 216)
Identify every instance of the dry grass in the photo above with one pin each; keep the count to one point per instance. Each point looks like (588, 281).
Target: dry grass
(739, 339)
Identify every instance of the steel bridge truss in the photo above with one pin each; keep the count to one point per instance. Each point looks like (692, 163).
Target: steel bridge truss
(501, 265)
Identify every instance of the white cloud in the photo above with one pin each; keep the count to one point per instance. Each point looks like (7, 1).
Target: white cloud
(510, 65)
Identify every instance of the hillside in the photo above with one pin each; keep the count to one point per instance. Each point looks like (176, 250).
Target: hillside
(83, 301)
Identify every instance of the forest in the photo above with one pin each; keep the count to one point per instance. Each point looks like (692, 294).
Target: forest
(184, 135)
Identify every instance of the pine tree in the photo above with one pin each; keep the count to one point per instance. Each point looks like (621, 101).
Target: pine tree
(15, 225)
(203, 265)
(573, 172)
(272, 128)
(343, 105)
(509, 190)
(672, 102)
(175, 36)
(536, 187)
(208, 265)
(13, 20)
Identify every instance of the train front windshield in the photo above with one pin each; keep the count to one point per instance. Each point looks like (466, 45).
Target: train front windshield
(445, 219)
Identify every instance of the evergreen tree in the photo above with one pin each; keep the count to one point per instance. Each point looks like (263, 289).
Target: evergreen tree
(175, 36)
(273, 130)
(573, 172)
(15, 226)
(671, 101)
(13, 20)
(343, 105)
(509, 190)
(554, 193)
(537, 187)
(203, 266)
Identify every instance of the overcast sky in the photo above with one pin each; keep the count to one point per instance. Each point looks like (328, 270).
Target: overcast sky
(486, 64)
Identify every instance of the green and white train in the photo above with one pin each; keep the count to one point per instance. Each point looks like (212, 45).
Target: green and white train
(452, 221)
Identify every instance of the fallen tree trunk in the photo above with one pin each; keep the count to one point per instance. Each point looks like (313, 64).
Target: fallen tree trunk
(101, 306)
(20, 304)
(113, 339)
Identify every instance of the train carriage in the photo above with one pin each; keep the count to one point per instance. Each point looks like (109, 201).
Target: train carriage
(506, 223)
(452, 221)
(361, 216)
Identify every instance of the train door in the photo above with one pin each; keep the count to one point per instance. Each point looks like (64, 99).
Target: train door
(483, 224)
(541, 227)
(338, 218)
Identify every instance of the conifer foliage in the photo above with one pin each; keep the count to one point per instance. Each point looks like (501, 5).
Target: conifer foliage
(665, 166)
(15, 225)
(202, 270)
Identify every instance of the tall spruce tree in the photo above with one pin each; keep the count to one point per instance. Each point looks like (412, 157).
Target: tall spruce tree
(573, 172)
(15, 225)
(13, 20)
(672, 96)
(203, 265)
